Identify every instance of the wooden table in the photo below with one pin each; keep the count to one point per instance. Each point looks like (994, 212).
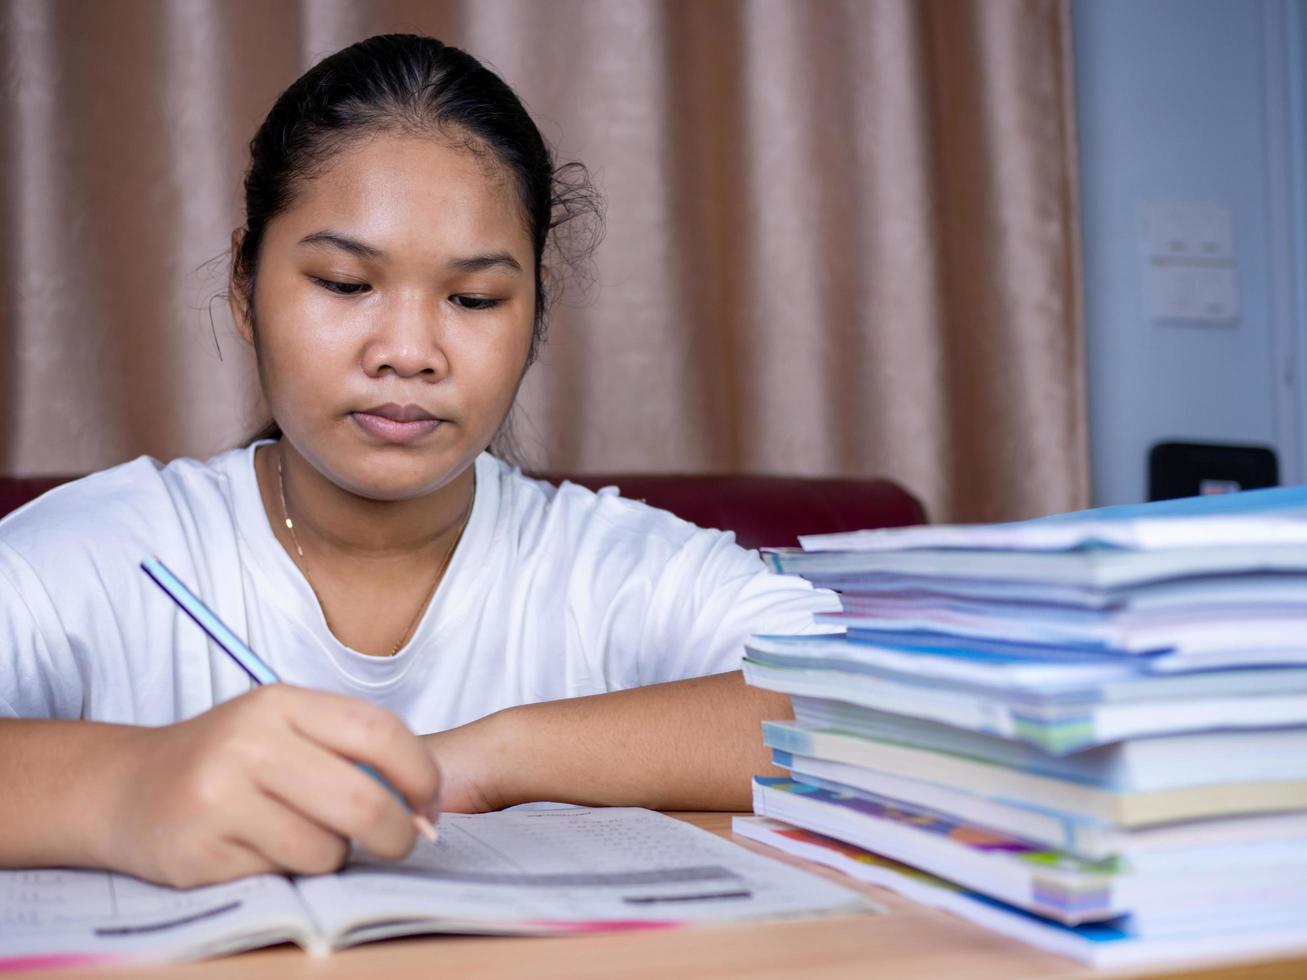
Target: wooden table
(907, 942)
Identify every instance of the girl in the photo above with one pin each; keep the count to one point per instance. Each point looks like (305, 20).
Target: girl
(545, 643)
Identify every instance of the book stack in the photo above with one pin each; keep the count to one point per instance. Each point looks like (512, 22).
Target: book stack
(1087, 731)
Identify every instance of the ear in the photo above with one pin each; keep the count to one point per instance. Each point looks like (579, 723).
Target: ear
(240, 309)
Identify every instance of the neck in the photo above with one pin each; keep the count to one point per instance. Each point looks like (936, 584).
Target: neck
(333, 521)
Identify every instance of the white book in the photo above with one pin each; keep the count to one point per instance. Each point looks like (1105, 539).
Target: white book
(982, 778)
(1020, 873)
(1246, 590)
(1099, 570)
(1130, 765)
(1055, 726)
(1275, 516)
(1035, 671)
(1117, 943)
(1253, 636)
(1233, 842)
(517, 872)
(954, 662)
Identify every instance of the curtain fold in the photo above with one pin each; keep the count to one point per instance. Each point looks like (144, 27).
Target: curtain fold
(842, 234)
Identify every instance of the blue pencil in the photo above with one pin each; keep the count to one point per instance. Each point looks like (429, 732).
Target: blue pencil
(249, 661)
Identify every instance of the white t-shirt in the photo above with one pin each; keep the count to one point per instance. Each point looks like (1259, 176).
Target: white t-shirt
(552, 593)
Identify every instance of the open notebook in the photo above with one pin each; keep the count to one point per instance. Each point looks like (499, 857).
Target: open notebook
(518, 872)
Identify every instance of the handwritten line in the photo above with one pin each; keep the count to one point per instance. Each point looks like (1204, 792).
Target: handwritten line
(170, 924)
(705, 897)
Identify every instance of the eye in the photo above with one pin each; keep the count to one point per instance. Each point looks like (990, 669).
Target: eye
(474, 302)
(342, 288)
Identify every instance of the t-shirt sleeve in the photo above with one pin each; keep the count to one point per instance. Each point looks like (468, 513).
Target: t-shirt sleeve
(39, 674)
(709, 598)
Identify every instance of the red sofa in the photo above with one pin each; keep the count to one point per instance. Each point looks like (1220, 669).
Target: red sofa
(761, 510)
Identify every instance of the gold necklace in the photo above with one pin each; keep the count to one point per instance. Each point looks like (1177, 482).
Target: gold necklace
(440, 572)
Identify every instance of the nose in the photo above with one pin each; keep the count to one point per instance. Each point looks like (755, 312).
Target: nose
(407, 340)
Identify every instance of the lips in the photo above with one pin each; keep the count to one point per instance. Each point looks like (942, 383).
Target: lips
(391, 423)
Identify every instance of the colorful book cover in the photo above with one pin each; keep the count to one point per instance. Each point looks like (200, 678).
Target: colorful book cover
(1116, 942)
(1046, 881)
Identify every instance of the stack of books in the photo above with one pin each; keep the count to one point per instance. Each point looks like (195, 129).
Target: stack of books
(1087, 731)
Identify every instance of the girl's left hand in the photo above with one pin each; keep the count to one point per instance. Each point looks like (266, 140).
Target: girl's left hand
(470, 758)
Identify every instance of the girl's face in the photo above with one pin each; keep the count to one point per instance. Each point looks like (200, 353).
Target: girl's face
(393, 307)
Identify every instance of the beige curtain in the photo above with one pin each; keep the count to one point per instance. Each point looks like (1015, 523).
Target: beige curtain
(841, 235)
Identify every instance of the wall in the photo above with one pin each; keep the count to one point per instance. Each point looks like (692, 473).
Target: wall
(1189, 101)
(1296, 109)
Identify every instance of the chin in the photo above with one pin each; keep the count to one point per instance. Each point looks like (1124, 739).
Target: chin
(394, 478)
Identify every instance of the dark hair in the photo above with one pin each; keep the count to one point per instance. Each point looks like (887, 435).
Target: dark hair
(412, 84)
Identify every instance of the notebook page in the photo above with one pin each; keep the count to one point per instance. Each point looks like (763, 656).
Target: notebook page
(563, 870)
(61, 912)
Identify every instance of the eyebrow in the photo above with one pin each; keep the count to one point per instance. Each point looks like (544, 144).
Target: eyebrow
(490, 260)
(469, 263)
(353, 246)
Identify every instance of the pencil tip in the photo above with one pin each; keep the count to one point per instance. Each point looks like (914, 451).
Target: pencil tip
(425, 827)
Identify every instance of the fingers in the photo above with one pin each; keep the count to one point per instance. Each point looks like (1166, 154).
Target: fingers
(300, 753)
(222, 860)
(364, 732)
(337, 795)
(288, 840)
(269, 781)
(198, 856)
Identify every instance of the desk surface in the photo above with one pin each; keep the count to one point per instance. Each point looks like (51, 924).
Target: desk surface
(907, 940)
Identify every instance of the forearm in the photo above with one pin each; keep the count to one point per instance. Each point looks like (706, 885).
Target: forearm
(58, 777)
(686, 745)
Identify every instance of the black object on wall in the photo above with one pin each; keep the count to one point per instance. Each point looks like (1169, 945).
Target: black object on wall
(1189, 469)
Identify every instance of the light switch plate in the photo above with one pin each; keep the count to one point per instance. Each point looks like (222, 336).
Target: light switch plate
(1189, 263)
(1177, 230)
